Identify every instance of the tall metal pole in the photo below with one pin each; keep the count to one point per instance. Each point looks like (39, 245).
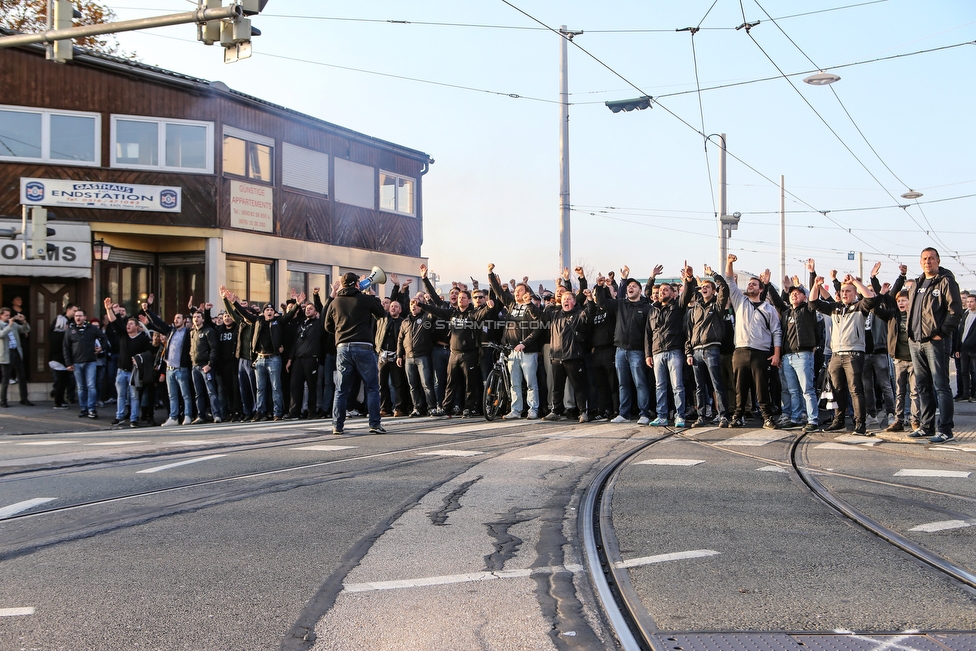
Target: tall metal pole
(723, 242)
(565, 255)
(782, 226)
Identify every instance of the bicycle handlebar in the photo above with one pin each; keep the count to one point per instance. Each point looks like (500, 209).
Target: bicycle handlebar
(503, 347)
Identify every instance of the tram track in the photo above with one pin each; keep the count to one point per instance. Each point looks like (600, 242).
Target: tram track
(630, 619)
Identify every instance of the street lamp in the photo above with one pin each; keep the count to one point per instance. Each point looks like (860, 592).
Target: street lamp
(821, 79)
(911, 194)
(101, 250)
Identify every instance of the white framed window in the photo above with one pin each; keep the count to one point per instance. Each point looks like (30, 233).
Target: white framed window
(396, 193)
(249, 155)
(355, 184)
(49, 136)
(304, 169)
(167, 144)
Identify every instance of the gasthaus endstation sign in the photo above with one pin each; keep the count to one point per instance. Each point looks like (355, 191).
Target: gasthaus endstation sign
(100, 195)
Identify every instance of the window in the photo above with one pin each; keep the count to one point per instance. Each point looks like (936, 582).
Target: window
(251, 280)
(248, 154)
(355, 184)
(305, 282)
(304, 169)
(42, 136)
(396, 193)
(171, 145)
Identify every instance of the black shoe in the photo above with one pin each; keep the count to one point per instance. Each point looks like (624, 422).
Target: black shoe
(861, 430)
(26, 403)
(257, 418)
(918, 433)
(769, 423)
(810, 427)
(115, 421)
(4, 405)
(133, 424)
(83, 413)
(61, 407)
(738, 421)
(379, 429)
(942, 437)
(836, 426)
(93, 414)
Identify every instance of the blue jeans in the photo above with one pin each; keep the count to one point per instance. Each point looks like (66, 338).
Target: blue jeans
(630, 366)
(127, 396)
(931, 365)
(85, 376)
(799, 381)
(440, 356)
(420, 378)
(177, 385)
(352, 359)
(267, 370)
(669, 367)
(326, 383)
(708, 366)
(245, 376)
(524, 365)
(205, 386)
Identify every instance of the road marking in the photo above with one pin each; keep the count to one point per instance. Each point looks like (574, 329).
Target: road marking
(449, 453)
(837, 446)
(16, 612)
(664, 558)
(14, 509)
(462, 429)
(941, 526)
(327, 448)
(859, 440)
(189, 442)
(563, 433)
(117, 443)
(46, 442)
(553, 457)
(670, 462)
(961, 474)
(458, 578)
(180, 463)
(773, 469)
(757, 438)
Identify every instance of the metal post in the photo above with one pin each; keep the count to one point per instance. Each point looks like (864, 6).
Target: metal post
(782, 226)
(860, 265)
(723, 242)
(564, 223)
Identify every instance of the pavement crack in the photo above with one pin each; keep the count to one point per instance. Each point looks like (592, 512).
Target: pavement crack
(506, 543)
(452, 502)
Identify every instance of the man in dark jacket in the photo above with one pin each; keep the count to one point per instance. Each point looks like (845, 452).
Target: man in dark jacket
(966, 350)
(303, 363)
(387, 336)
(703, 347)
(267, 345)
(414, 347)
(800, 328)
(82, 343)
(203, 354)
(176, 356)
(664, 344)
(523, 331)
(567, 345)
(934, 311)
(132, 341)
(228, 384)
(351, 318)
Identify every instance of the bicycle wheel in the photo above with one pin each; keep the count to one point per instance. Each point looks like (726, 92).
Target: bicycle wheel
(494, 394)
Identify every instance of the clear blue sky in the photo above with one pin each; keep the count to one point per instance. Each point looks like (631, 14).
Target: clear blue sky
(643, 188)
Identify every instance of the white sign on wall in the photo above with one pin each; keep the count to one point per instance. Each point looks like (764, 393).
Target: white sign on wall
(100, 195)
(69, 252)
(251, 207)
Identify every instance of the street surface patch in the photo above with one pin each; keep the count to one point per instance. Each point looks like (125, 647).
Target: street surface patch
(180, 463)
(944, 525)
(959, 474)
(326, 448)
(449, 453)
(664, 558)
(670, 462)
(19, 507)
(554, 457)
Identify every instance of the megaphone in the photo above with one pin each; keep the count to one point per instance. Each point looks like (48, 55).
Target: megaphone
(377, 276)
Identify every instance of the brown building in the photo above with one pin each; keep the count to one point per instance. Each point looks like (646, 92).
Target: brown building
(160, 183)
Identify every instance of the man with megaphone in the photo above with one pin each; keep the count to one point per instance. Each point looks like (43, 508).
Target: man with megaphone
(351, 318)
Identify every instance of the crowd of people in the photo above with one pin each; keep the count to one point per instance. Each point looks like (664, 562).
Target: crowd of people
(699, 352)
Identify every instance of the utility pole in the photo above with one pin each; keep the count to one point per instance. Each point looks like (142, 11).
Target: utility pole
(565, 236)
(782, 226)
(726, 222)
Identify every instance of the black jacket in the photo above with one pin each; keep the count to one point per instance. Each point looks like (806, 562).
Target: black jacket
(523, 322)
(203, 346)
(79, 343)
(352, 315)
(706, 321)
(802, 332)
(666, 329)
(568, 331)
(259, 324)
(416, 336)
(156, 323)
(631, 318)
(465, 326)
(941, 307)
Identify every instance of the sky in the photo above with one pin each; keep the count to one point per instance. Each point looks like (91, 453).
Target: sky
(476, 86)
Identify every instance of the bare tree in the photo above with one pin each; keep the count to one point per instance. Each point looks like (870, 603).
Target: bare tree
(30, 17)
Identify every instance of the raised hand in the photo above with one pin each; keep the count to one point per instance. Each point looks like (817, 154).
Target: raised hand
(708, 270)
(579, 272)
(764, 277)
(624, 272)
(423, 270)
(565, 274)
(656, 272)
(491, 267)
(903, 269)
(875, 269)
(150, 299)
(732, 258)
(811, 265)
(796, 281)
(189, 304)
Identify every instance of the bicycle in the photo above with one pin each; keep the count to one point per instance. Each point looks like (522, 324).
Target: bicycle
(498, 386)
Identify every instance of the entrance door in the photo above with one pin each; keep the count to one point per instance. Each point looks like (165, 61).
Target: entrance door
(48, 301)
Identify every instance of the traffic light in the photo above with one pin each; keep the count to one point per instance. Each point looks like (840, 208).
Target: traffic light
(209, 32)
(638, 103)
(251, 7)
(35, 247)
(64, 12)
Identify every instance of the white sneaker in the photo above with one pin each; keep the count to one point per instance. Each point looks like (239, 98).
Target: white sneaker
(217, 419)
(511, 416)
(620, 419)
(533, 414)
(170, 422)
(643, 420)
(187, 420)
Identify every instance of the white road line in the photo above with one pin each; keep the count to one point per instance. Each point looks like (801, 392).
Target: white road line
(664, 558)
(14, 509)
(941, 526)
(326, 448)
(670, 462)
(553, 457)
(46, 442)
(449, 453)
(756, 438)
(773, 469)
(16, 612)
(484, 425)
(457, 578)
(858, 440)
(180, 463)
(961, 474)
(837, 446)
(189, 442)
(117, 443)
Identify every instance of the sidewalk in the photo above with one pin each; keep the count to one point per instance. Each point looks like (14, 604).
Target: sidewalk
(43, 418)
